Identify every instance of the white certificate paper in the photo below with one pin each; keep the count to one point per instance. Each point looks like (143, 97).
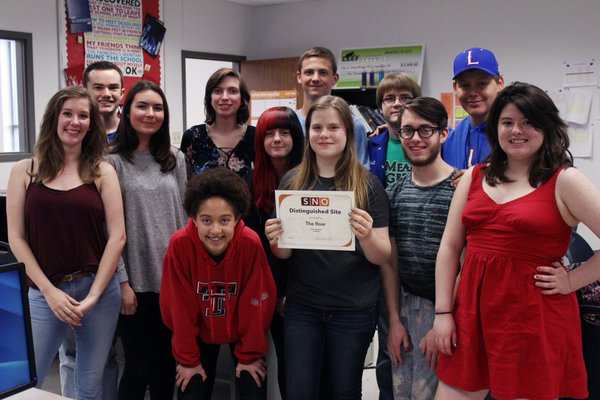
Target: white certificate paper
(318, 220)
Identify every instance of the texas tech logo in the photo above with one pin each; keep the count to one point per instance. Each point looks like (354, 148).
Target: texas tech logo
(217, 294)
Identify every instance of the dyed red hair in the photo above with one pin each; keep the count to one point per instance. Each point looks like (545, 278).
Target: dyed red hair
(264, 180)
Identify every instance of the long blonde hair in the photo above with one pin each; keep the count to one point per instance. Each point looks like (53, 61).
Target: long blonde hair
(350, 175)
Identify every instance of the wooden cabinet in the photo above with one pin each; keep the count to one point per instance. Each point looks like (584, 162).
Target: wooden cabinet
(280, 74)
(272, 74)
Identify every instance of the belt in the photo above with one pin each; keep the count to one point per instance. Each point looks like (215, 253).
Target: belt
(75, 275)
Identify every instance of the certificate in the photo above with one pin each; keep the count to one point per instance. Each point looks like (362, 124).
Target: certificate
(318, 220)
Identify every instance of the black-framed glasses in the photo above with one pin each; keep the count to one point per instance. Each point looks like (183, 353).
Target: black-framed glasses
(408, 132)
(391, 99)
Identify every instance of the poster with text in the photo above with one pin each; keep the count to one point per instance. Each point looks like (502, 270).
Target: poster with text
(361, 68)
(115, 37)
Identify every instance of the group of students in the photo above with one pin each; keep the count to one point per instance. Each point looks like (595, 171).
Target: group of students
(185, 288)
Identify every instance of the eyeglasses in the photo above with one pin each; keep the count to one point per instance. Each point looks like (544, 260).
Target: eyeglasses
(424, 131)
(391, 99)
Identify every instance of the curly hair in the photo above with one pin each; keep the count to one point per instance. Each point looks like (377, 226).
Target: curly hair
(541, 112)
(264, 181)
(215, 79)
(49, 149)
(126, 139)
(217, 182)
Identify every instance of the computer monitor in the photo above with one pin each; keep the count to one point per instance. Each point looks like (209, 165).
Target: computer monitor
(17, 362)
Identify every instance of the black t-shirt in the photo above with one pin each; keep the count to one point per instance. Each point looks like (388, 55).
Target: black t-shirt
(338, 280)
(255, 220)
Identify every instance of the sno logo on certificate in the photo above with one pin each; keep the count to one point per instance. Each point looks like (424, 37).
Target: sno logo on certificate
(317, 220)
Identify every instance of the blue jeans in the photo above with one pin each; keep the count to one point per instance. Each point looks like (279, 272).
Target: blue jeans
(336, 340)
(93, 338)
(67, 354)
(277, 336)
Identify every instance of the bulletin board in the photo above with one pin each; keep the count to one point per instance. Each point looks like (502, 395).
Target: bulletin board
(117, 26)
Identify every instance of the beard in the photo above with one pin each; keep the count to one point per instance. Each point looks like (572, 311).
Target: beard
(422, 162)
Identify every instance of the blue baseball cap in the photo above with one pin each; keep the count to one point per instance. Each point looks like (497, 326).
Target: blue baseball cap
(476, 58)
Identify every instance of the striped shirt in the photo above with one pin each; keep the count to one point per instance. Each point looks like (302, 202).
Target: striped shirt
(417, 219)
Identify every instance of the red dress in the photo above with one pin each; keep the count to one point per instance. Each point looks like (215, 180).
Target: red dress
(511, 339)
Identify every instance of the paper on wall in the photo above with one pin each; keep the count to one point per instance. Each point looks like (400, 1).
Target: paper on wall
(580, 74)
(581, 139)
(579, 103)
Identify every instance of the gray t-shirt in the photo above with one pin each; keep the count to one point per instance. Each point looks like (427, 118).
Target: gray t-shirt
(417, 219)
(338, 280)
(153, 207)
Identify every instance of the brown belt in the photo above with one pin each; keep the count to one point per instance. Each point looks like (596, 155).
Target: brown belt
(75, 275)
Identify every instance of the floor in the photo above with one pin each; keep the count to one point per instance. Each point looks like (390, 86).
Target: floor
(222, 390)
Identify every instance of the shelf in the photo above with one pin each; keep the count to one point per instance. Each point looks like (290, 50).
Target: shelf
(358, 96)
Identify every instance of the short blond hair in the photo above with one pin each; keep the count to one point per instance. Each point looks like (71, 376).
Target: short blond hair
(396, 81)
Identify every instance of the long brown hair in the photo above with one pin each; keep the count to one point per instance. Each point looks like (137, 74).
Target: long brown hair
(49, 149)
(126, 140)
(541, 112)
(350, 175)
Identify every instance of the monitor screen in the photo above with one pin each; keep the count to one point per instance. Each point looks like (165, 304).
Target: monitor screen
(17, 362)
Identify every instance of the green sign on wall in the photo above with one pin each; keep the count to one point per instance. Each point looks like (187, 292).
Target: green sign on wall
(360, 68)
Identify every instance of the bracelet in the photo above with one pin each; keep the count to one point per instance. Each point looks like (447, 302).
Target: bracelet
(443, 312)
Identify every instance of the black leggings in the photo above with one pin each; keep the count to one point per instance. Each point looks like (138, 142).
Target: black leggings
(148, 358)
(197, 389)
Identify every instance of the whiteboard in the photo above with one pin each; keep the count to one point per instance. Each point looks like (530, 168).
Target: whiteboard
(197, 72)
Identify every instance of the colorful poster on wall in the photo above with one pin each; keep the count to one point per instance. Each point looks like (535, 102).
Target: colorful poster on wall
(361, 68)
(262, 100)
(115, 36)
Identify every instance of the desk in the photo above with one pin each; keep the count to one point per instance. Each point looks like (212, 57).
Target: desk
(36, 394)
(3, 228)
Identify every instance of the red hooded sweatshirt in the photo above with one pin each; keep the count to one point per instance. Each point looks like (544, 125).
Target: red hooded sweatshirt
(229, 302)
